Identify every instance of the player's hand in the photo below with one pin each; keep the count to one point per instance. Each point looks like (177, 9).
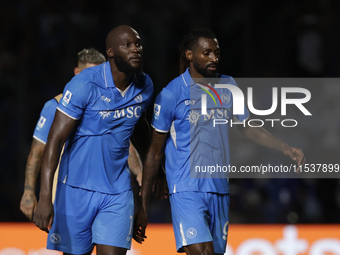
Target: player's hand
(139, 226)
(296, 155)
(28, 203)
(139, 178)
(43, 215)
(160, 186)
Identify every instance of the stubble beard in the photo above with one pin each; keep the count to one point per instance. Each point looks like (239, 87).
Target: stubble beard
(204, 70)
(125, 67)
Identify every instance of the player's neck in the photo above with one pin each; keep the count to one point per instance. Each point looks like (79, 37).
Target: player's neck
(194, 74)
(121, 80)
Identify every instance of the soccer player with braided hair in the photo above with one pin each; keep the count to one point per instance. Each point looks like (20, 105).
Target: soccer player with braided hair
(199, 206)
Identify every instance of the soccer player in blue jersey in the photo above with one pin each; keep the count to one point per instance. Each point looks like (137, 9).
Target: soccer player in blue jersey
(95, 117)
(86, 58)
(199, 206)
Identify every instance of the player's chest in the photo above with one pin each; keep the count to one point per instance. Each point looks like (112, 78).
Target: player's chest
(110, 108)
(202, 108)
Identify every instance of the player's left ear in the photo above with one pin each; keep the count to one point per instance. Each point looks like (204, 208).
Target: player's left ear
(188, 55)
(109, 53)
(76, 70)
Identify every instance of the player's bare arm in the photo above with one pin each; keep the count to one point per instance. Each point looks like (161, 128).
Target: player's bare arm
(150, 170)
(28, 200)
(135, 163)
(61, 129)
(262, 137)
(141, 136)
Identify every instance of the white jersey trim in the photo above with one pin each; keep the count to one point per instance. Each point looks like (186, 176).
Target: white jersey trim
(159, 130)
(184, 241)
(105, 75)
(173, 134)
(36, 138)
(66, 114)
(184, 80)
(123, 93)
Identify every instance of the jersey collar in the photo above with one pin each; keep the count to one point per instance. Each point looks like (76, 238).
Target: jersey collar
(187, 78)
(108, 78)
(109, 83)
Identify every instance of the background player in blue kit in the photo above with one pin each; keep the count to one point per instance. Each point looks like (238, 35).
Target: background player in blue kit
(199, 206)
(95, 117)
(86, 58)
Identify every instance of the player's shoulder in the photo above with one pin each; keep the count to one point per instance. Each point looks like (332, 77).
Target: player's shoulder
(227, 78)
(50, 104)
(143, 80)
(87, 80)
(176, 85)
(170, 93)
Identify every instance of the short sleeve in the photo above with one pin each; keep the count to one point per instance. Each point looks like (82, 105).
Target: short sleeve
(164, 109)
(45, 121)
(237, 118)
(75, 97)
(149, 85)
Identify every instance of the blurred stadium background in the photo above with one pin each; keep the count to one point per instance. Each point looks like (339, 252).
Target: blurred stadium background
(287, 38)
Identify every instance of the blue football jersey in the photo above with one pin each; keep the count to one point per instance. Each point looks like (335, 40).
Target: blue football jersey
(45, 121)
(195, 141)
(95, 155)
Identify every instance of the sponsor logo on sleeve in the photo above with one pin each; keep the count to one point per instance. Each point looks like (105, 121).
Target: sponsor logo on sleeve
(66, 98)
(41, 122)
(157, 110)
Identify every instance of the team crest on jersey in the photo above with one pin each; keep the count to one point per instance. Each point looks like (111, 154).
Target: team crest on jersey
(157, 110)
(225, 98)
(41, 121)
(193, 117)
(67, 98)
(139, 98)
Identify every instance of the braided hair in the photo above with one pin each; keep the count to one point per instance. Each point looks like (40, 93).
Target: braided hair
(189, 41)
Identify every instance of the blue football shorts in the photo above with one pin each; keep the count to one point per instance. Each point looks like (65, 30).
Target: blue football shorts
(199, 217)
(83, 218)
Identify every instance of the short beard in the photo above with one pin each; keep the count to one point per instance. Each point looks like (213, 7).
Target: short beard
(204, 71)
(125, 67)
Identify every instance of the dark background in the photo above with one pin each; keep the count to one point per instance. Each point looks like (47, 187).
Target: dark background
(39, 41)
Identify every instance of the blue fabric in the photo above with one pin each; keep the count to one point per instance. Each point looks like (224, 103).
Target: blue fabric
(193, 140)
(95, 156)
(200, 217)
(45, 121)
(84, 218)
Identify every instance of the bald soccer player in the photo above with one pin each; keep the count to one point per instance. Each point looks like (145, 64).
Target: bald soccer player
(95, 117)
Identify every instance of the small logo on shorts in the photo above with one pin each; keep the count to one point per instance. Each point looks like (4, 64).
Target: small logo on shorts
(55, 238)
(191, 233)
